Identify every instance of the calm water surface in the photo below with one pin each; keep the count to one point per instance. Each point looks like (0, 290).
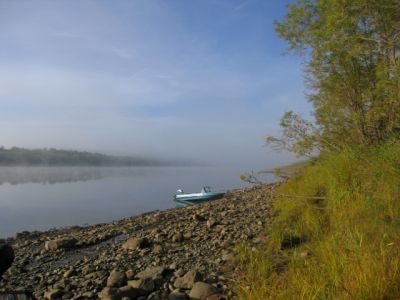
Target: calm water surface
(39, 198)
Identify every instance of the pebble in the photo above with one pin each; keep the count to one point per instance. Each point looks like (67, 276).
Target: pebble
(128, 259)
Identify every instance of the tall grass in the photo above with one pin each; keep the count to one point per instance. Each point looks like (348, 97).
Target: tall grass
(340, 241)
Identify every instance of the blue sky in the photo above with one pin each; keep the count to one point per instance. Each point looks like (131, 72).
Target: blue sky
(198, 79)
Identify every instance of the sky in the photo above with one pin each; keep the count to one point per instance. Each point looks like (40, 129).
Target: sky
(204, 80)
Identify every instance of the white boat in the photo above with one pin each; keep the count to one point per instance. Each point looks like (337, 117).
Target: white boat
(206, 194)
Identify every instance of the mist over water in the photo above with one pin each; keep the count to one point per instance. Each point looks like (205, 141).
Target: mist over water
(180, 81)
(40, 198)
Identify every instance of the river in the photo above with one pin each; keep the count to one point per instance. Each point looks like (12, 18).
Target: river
(40, 198)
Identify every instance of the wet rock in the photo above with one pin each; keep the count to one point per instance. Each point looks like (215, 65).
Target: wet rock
(202, 290)
(66, 243)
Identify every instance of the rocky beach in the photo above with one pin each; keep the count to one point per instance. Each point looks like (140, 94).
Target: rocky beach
(180, 253)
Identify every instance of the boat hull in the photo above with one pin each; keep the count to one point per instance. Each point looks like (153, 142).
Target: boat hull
(183, 200)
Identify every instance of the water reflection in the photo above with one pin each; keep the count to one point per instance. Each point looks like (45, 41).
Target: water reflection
(39, 198)
(52, 175)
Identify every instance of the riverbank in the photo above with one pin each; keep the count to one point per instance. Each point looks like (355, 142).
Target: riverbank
(176, 253)
(334, 234)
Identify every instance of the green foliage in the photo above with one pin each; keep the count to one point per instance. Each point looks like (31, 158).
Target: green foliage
(52, 157)
(335, 233)
(352, 54)
(348, 226)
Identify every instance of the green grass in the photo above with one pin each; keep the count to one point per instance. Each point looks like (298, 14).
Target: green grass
(349, 232)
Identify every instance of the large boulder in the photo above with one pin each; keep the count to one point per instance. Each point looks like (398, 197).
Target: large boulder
(63, 243)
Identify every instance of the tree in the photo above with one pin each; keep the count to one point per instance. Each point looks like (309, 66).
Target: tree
(351, 50)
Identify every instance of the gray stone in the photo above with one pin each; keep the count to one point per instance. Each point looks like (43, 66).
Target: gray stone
(134, 243)
(177, 237)
(70, 272)
(65, 243)
(211, 222)
(198, 218)
(130, 274)
(154, 296)
(116, 279)
(157, 249)
(128, 291)
(53, 294)
(187, 235)
(178, 296)
(109, 294)
(145, 284)
(152, 272)
(89, 295)
(187, 281)
(202, 290)
(228, 256)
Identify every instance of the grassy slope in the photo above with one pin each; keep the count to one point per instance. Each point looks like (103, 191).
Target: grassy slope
(350, 241)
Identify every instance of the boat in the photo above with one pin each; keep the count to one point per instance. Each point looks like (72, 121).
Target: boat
(206, 194)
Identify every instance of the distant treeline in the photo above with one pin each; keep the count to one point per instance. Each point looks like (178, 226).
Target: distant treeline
(53, 157)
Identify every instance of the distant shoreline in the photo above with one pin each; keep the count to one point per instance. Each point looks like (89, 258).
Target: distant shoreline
(21, 157)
